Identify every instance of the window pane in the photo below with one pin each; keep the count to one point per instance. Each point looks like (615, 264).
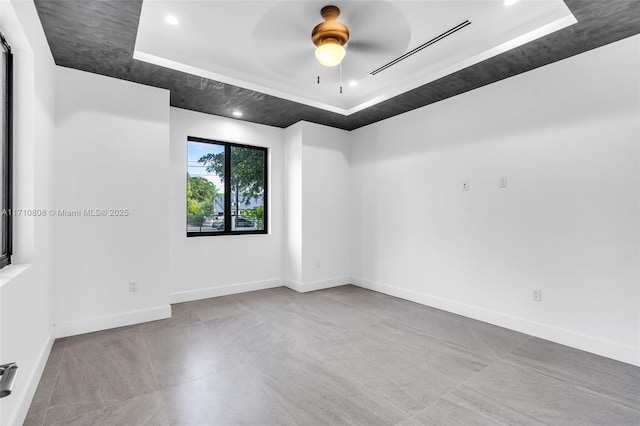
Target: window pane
(4, 150)
(205, 187)
(247, 189)
(226, 188)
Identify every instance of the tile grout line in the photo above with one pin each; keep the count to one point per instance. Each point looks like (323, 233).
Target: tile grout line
(146, 350)
(400, 321)
(503, 358)
(491, 362)
(556, 378)
(448, 343)
(55, 380)
(412, 417)
(364, 387)
(507, 407)
(481, 340)
(569, 382)
(380, 395)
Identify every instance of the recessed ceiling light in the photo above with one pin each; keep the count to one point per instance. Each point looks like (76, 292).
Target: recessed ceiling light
(353, 83)
(510, 2)
(237, 113)
(172, 20)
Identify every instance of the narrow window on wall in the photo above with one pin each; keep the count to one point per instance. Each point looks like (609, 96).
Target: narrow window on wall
(6, 68)
(226, 188)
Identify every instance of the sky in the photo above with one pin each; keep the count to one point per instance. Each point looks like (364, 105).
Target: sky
(195, 150)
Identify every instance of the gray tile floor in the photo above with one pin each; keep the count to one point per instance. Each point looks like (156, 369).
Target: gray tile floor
(343, 356)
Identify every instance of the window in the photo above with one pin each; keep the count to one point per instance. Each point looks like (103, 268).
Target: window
(226, 188)
(6, 77)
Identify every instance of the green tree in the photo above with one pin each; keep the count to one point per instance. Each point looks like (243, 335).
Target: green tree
(203, 210)
(201, 195)
(247, 172)
(257, 216)
(200, 189)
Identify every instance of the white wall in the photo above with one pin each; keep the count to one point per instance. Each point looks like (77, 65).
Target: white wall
(566, 136)
(26, 286)
(111, 152)
(317, 199)
(293, 204)
(212, 266)
(326, 218)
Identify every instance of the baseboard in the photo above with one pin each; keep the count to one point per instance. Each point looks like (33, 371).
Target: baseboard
(90, 325)
(316, 285)
(32, 382)
(613, 350)
(205, 293)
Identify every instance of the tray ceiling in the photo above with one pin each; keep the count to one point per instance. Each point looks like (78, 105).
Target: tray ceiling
(266, 45)
(257, 56)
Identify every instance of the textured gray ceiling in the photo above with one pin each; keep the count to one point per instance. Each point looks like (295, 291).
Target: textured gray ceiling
(99, 36)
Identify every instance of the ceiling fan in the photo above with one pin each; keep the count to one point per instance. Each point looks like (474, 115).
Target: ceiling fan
(366, 35)
(329, 36)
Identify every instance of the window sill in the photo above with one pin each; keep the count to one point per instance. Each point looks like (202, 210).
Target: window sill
(9, 273)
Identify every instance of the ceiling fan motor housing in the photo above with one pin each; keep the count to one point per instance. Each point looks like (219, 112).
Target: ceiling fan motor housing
(330, 30)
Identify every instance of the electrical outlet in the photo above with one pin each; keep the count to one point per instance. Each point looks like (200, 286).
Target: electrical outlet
(133, 286)
(465, 185)
(536, 295)
(503, 182)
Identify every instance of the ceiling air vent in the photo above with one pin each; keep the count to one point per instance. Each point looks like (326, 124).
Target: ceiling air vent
(422, 46)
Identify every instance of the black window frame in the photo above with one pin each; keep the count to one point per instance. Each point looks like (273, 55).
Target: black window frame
(6, 147)
(227, 189)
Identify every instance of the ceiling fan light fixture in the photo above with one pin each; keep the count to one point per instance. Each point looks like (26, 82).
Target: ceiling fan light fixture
(330, 36)
(330, 54)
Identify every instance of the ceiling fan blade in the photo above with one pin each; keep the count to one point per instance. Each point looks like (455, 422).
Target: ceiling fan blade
(287, 20)
(377, 28)
(372, 46)
(299, 63)
(273, 31)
